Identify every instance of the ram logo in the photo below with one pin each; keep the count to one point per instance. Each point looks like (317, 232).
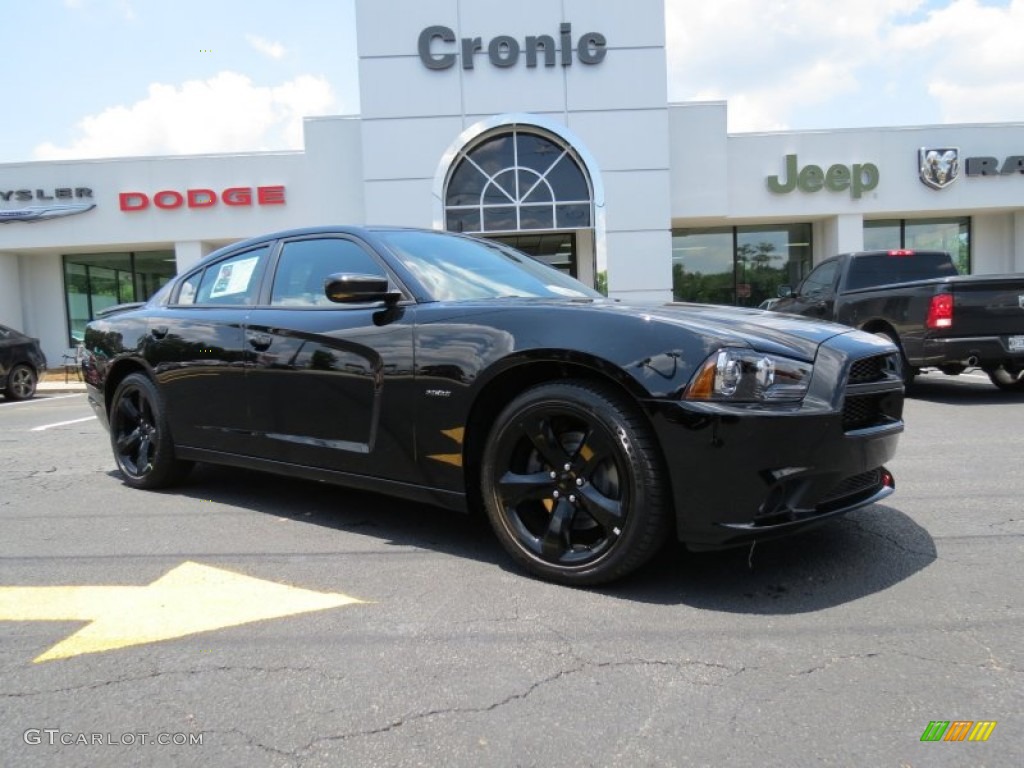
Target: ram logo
(939, 167)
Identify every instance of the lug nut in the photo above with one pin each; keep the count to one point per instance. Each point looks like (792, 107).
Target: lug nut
(553, 474)
(572, 498)
(579, 482)
(555, 494)
(568, 467)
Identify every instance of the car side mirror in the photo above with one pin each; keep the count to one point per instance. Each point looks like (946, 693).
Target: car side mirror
(352, 288)
(785, 291)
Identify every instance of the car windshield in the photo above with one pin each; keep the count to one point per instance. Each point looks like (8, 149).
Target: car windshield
(462, 268)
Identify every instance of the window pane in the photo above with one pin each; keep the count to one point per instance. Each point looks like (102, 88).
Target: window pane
(537, 217)
(76, 283)
(768, 257)
(950, 235)
(568, 180)
(573, 216)
(233, 281)
(881, 235)
(501, 190)
(533, 189)
(537, 153)
(702, 265)
(499, 219)
(463, 220)
(465, 185)
(495, 154)
(305, 265)
(95, 281)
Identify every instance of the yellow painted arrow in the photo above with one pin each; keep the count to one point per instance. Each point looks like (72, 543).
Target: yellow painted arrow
(189, 599)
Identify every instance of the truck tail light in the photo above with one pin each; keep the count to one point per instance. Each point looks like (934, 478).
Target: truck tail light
(900, 252)
(940, 311)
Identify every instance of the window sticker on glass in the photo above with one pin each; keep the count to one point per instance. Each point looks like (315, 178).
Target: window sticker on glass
(233, 277)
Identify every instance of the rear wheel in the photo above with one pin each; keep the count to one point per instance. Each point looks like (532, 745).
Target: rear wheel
(140, 437)
(21, 383)
(1006, 380)
(573, 484)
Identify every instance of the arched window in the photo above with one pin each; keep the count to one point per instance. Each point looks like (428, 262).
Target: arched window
(515, 180)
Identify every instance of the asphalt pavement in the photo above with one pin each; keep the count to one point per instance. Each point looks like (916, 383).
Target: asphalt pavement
(247, 619)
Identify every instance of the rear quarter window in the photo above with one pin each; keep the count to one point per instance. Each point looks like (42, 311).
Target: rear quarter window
(883, 269)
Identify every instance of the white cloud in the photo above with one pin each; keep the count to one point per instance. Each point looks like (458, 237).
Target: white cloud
(272, 49)
(226, 113)
(770, 59)
(975, 59)
(948, 60)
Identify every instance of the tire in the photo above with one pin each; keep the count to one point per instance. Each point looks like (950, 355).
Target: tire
(909, 372)
(573, 484)
(21, 382)
(1007, 380)
(140, 437)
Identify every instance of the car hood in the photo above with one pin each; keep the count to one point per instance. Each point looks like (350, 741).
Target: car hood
(790, 335)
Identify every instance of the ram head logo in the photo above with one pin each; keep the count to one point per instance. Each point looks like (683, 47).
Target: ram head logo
(939, 167)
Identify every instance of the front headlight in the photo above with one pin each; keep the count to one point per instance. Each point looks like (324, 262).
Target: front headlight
(744, 376)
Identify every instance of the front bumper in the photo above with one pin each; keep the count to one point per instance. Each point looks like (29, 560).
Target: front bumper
(745, 473)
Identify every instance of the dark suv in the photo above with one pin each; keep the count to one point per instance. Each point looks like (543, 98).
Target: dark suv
(22, 362)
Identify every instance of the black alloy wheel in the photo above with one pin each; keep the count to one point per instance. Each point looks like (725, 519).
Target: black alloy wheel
(21, 383)
(1008, 381)
(140, 438)
(573, 483)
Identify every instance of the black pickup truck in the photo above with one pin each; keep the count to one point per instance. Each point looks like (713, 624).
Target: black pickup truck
(937, 318)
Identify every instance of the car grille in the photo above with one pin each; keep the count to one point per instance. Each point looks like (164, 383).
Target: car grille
(871, 406)
(853, 486)
(868, 369)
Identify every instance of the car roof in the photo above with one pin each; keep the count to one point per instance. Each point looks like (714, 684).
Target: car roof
(326, 229)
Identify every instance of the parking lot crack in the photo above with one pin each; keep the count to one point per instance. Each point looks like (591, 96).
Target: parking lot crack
(99, 684)
(525, 694)
(833, 661)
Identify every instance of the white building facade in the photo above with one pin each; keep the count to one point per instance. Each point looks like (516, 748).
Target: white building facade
(545, 125)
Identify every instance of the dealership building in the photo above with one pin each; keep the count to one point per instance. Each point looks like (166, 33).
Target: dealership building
(544, 125)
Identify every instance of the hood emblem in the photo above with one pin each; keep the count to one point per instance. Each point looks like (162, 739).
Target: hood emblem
(938, 167)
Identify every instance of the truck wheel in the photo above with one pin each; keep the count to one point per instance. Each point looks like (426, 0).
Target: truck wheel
(909, 372)
(1008, 381)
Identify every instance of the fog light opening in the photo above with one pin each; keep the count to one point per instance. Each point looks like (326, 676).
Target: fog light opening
(775, 502)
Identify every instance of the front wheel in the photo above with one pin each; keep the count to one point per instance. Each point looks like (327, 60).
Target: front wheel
(21, 383)
(573, 483)
(1008, 381)
(140, 437)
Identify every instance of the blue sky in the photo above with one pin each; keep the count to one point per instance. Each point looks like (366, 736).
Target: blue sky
(102, 78)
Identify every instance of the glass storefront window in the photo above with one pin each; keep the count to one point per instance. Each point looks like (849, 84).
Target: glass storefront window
(96, 281)
(515, 181)
(702, 266)
(952, 235)
(738, 265)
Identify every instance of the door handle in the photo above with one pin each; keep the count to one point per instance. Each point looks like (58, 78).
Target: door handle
(158, 331)
(260, 341)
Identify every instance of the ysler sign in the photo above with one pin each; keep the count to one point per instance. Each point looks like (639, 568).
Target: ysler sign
(504, 51)
(54, 205)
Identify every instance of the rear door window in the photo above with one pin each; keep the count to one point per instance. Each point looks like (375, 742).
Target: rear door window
(234, 281)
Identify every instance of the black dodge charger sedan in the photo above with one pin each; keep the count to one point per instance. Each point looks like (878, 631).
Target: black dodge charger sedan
(456, 371)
